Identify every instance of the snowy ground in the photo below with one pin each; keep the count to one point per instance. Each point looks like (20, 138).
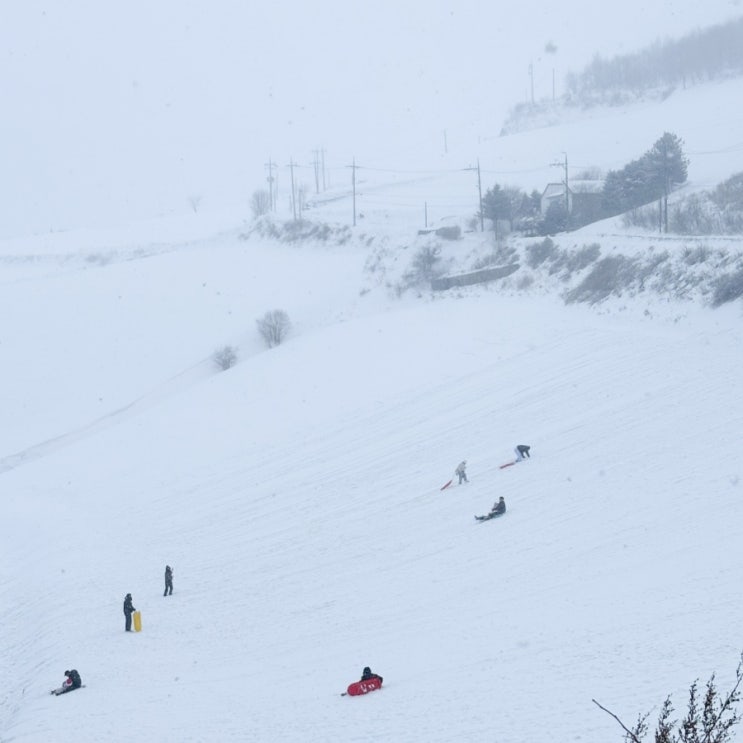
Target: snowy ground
(297, 497)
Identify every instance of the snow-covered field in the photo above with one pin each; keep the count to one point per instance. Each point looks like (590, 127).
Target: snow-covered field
(297, 495)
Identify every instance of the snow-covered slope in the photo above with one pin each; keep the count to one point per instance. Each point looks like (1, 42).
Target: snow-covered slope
(298, 498)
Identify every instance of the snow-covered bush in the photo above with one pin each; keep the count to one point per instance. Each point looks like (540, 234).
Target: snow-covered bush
(728, 288)
(609, 276)
(273, 327)
(424, 266)
(225, 357)
(538, 253)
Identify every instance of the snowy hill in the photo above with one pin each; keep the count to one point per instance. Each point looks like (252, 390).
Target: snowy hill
(297, 495)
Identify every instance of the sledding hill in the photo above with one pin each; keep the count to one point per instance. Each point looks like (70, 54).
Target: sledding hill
(297, 494)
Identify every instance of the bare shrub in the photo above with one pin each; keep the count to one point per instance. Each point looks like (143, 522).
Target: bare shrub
(450, 232)
(583, 257)
(225, 357)
(570, 262)
(524, 281)
(260, 203)
(538, 253)
(694, 256)
(646, 217)
(273, 327)
(710, 717)
(609, 276)
(729, 193)
(728, 288)
(424, 265)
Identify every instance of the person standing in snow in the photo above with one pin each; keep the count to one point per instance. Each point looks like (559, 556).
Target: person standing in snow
(461, 473)
(522, 452)
(128, 611)
(168, 581)
(367, 675)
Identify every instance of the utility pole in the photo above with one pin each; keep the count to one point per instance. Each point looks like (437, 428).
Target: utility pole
(322, 163)
(353, 167)
(564, 166)
(479, 192)
(270, 165)
(531, 78)
(446, 146)
(567, 193)
(316, 166)
(294, 199)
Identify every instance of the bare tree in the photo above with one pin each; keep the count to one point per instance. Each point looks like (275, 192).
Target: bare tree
(260, 203)
(195, 202)
(273, 327)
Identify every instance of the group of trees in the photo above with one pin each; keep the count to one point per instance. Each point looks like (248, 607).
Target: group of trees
(509, 204)
(702, 55)
(648, 179)
(652, 177)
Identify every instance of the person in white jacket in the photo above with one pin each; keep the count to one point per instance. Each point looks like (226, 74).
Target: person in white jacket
(461, 473)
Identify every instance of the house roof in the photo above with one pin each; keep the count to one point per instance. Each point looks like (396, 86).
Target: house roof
(553, 189)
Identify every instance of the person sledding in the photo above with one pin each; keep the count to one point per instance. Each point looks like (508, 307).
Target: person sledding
(369, 682)
(367, 675)
(522, 452)
(72, 681)
(498, 509)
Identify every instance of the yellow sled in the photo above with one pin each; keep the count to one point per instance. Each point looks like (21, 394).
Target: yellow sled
(137, 621)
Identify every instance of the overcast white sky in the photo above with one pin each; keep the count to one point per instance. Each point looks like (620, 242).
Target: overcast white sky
(116, 112)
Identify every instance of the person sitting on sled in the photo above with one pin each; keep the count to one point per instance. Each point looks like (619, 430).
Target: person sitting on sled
(498, 509)
(367, 675)
(72, 681)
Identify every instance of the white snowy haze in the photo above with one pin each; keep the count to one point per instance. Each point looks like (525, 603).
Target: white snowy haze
(297, 495)
(113, 112)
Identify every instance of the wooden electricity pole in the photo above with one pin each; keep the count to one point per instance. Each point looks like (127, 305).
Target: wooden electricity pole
(270, 166)
(294, 198)
(353, 167)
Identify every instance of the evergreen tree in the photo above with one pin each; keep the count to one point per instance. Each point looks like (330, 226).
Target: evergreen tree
(496, 205)
(651, 177)
(667, 166)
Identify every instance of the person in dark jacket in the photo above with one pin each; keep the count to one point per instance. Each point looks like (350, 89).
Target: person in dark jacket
(168, 581)
(367, 675)
(128, 611)
(522, 452)
(72, 681)
(498, 509)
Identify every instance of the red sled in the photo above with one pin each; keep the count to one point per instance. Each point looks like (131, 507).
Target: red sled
(509, 464)
(363, 687)
(444, 487)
